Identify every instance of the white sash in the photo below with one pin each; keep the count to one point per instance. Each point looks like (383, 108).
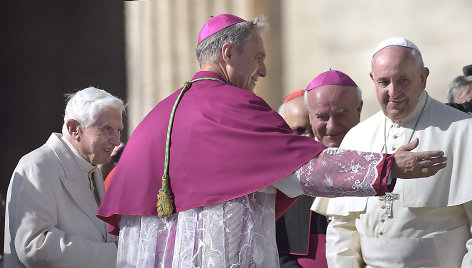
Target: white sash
(443, 249)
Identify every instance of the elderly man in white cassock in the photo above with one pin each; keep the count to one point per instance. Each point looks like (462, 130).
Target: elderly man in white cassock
(422, 223)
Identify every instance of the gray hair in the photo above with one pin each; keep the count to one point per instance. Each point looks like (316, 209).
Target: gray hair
(358, 95)
(456, 86)
(86, 105)
(237, 34)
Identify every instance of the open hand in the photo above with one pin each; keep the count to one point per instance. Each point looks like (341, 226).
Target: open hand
(409, 164)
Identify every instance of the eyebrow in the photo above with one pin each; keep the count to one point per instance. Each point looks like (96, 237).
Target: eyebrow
(339, 111)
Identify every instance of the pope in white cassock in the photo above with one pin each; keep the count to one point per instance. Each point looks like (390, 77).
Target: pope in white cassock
(422, 223)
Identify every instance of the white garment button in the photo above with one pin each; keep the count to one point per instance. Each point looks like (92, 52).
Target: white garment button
(395, 136)
(382, 220)
(393, 148)
(381, 233)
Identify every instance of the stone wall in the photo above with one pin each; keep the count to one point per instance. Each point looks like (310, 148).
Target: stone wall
(306, 37)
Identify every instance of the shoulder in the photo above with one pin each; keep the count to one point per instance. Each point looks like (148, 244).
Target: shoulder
(38, 165)
(445, 117)
(366, 128)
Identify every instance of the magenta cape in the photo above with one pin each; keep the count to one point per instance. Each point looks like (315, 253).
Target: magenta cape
(226, 143)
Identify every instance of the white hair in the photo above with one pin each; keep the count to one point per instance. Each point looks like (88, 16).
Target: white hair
(86, 105)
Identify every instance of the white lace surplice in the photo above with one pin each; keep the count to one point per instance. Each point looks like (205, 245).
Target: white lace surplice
(240, 232)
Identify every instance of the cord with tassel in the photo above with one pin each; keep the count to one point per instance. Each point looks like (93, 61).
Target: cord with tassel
(165, 202)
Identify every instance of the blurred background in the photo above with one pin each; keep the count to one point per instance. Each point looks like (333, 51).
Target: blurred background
(141, 51)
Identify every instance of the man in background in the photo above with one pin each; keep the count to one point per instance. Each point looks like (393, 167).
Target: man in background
(332, 103)
(459, 91)
(293, 229)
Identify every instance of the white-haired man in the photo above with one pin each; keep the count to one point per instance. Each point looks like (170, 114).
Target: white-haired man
(56, 189)
(423, 223)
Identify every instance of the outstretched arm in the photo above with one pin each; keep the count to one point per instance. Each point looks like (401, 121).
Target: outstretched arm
(339, 172)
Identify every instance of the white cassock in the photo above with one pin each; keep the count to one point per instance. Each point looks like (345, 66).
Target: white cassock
(426, 222)
(50, 212)
(240, 232)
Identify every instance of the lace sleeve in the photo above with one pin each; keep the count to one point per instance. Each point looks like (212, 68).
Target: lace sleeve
(339, 172)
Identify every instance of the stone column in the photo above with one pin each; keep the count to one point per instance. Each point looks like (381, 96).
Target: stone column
(161, 37)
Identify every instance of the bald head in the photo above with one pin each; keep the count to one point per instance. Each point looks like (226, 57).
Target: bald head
(295, 114)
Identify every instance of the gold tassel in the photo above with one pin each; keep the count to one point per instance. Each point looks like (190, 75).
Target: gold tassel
(165, 204)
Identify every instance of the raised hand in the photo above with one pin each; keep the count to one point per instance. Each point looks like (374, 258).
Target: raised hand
(409, 164)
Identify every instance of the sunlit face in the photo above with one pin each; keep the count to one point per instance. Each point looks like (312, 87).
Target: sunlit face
(296, 115)
(398, 80)
(96, 142)
(464, 94)
(334, 110)
(247, 65)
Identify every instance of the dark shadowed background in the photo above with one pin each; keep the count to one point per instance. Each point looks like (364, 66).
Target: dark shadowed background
(50, 48)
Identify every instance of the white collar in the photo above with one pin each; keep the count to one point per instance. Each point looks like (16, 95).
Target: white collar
(83, 164)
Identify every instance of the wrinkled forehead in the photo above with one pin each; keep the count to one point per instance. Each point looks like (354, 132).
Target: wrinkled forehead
(392, 55)
(399, 60)
(109, 115)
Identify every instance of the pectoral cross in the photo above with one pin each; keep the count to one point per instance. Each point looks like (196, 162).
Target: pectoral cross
(389, 198)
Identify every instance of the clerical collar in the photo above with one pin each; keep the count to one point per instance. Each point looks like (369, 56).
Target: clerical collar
(83, 164)
(415, 114)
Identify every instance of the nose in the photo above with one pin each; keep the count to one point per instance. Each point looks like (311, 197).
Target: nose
(262, 70)
(115, 139)
(332, 125)
(393, 90)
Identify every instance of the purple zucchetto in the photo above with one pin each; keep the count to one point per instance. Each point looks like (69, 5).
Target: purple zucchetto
(331, 77)
(216, 24)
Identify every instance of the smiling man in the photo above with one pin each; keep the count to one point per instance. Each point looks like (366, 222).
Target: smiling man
(55, 190)
(334, 104)
(422, 223)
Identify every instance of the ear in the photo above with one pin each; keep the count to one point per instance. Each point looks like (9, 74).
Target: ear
(424, 76)
(359, 108)
(73, 127)
(371, 76)
(226, 52)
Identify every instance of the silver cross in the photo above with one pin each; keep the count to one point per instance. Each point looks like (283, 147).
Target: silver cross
(389, 198)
